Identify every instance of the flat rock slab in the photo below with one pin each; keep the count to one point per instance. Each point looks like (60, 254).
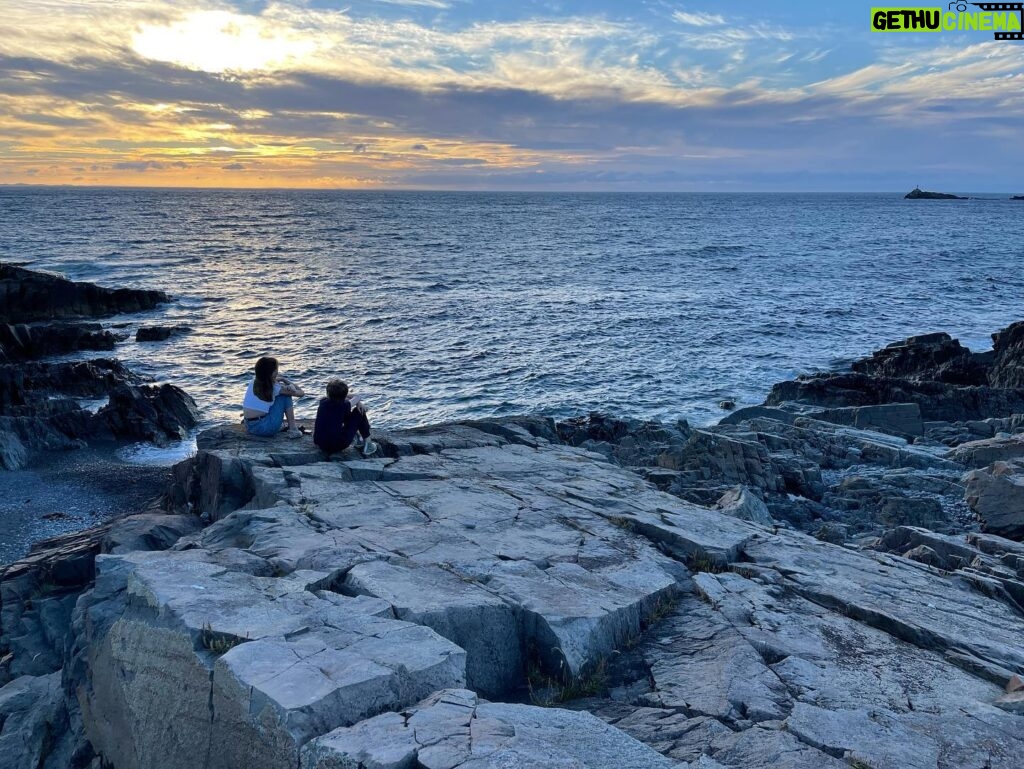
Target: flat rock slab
(538, 547)
(188, 659)
(455, 730)
(905, 599)
(976, 454)
(330, 596)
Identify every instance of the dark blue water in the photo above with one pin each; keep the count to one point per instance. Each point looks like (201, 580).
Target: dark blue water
(447, 305)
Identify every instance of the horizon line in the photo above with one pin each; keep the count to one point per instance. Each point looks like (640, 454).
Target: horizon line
(24, 185)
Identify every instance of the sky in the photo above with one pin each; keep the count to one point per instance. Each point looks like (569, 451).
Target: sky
(461, 94)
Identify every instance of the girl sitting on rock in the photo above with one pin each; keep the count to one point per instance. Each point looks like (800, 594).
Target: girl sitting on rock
(268, 402)
(340, 419)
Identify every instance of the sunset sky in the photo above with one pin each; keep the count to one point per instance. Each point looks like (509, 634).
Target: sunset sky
(511, 95)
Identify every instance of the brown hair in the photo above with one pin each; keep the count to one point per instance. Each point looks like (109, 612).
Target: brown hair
(337, 390)
(263, 387)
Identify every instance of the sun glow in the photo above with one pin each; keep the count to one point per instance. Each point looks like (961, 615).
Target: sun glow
(220, 41)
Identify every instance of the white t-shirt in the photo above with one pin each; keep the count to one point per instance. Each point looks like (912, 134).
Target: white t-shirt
(257, 404)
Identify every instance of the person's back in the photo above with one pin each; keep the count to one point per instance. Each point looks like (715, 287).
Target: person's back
(329, 427)
(339, 420)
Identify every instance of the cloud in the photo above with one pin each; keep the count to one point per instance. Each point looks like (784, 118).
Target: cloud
(469, 103)
(698, 19)
(425, 3)
(221, 41)
(138, 165)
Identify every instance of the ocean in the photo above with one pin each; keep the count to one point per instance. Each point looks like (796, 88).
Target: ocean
(446, 305)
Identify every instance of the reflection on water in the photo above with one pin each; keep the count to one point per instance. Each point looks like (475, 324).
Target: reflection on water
(453, 305)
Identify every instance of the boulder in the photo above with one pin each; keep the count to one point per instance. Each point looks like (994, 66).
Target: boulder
(896, 418)
(740, 502)
(1012, 702)
(13, 452)
(159, 333)
(37, 596)
(156, 413)
(629, 442)
(996, 494)
(984, 452)
(40, 411)
(463, 611)
(148, 532)
(735, 458)
(938, 401)
(758, 412)
(34, 731)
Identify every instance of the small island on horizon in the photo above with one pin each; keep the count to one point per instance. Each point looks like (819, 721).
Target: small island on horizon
(918, 194)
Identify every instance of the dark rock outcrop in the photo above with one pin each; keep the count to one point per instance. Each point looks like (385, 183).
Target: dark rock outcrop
(1008, 357)
(930, 357)
(938, 401)
(918, 194)
(159, 333)
(20, 341)
(40, 406)
(149, 412)
(27, 295)
(948, 381)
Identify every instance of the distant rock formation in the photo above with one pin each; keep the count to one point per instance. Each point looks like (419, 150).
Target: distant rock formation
(1017, 197)
(918, 194)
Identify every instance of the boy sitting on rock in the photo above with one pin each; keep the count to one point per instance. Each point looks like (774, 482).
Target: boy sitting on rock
(340, 420)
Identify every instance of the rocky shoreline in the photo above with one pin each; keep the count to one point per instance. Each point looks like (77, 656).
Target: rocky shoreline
(44, 403)
(832, 579)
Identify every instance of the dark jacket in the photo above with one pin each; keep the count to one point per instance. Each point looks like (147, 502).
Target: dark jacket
(334, 428)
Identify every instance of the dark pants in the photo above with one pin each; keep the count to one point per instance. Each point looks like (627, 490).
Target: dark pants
(356, 423)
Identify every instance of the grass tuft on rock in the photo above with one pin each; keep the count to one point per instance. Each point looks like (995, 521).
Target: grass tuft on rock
(548, 691)
(218, 643)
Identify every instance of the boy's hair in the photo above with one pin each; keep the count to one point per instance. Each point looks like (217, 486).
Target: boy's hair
(337, 390)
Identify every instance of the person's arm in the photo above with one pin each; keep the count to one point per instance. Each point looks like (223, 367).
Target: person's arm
(288, 388)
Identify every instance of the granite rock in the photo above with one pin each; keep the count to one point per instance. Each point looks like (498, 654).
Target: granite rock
(455, 730)
(996, 494)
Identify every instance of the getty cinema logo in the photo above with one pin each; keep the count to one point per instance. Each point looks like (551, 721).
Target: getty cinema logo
(1002, 19)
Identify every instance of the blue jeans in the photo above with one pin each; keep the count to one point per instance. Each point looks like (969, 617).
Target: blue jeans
(269, 424)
